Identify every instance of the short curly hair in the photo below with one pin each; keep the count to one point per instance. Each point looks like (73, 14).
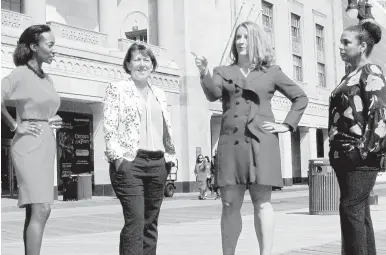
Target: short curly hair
(144, 49)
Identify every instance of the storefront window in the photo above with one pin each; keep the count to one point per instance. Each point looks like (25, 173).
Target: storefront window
(8, 177)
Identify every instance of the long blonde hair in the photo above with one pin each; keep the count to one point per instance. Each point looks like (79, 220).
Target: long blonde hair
(260, 52)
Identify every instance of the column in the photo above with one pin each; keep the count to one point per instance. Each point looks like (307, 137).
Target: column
(286, 157)
(55, 170)
(108, 23)
(165, 15)
(337, 28)
(153, 22)
(36, 9)
(307, 148)
(101, 176)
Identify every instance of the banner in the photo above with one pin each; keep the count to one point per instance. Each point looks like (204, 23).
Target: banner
(82, 148)
(65, 146)
(74, 144)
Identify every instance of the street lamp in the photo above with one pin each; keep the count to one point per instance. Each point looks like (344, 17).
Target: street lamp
(360, 9)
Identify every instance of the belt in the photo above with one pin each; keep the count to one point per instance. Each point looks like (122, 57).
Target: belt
(150, 154)
(35, 120)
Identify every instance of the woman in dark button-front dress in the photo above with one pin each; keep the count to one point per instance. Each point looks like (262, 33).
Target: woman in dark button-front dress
(357, 129)
(248, 148)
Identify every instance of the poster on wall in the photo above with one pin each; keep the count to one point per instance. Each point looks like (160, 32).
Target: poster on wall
(65, 146)
(82, 148)
(74, 144)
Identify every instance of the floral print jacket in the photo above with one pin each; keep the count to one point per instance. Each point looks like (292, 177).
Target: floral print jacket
(357, 115)
(122, 117)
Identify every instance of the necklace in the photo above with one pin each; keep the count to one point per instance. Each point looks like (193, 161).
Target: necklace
(40, 74)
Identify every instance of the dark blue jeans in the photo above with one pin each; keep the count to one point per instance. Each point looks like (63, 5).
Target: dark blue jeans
(139, 185)
(354, 209)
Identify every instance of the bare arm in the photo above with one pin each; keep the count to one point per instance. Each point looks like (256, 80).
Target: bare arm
(5, 91)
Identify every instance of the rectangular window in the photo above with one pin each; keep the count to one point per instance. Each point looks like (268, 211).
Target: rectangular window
(267, 14)
(296, 35)
(319, 37)
(295, 26)
(322, 75)
(267, 18)
(137, 35)
(12, 5)
(297, 66)
(319, 31)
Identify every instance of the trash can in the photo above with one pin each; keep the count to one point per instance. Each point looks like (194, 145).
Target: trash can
(324, 193)
(77, 187)
(84, 186)
(70, 188)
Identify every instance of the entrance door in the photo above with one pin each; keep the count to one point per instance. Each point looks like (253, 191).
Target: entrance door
(8, 176)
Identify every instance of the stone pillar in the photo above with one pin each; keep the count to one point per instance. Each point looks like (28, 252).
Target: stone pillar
(153, 22)
(307, 148)
(55, 170)
(286, 158)
(165, 15)
(337, 28)
(37, 10)
(108, 23)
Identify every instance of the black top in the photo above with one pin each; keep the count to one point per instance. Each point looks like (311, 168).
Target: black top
(357, 121)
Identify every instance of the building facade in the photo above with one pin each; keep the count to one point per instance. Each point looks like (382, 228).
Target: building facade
(92, 37)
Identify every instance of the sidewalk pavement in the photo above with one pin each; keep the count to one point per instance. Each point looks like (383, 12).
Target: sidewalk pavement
(296, 232)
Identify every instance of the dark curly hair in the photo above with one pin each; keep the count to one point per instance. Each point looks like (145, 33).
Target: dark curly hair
(31, 35)
(368, 32)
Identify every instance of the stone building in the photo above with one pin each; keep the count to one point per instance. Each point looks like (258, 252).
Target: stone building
(92, 37)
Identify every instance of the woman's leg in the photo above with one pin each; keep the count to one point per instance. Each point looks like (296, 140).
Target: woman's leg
(154, 185)
(34, 229)
(264, 217)
(26, 223)
(371, 250)
(128, 187)
(231, 223)
(204, 189)
(355, 187)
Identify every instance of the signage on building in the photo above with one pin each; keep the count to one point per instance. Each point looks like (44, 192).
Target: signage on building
(82, 154)
(74, 144)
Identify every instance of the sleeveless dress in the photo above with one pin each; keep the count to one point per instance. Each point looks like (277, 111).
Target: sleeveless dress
(33, 157)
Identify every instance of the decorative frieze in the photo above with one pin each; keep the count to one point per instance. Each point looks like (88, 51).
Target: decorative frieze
(283, 104)
(15, 20)
(78, 34)
(77, 67)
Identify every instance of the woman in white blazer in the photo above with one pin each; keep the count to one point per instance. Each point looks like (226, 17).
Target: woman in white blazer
(138, 144)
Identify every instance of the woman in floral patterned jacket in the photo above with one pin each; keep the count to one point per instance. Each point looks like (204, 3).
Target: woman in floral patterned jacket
(138, 144)
(357, 135)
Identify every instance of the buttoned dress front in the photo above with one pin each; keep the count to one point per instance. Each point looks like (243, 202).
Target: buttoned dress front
(247, 153)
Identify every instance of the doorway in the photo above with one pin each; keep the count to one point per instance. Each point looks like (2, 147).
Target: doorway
(8, 175)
